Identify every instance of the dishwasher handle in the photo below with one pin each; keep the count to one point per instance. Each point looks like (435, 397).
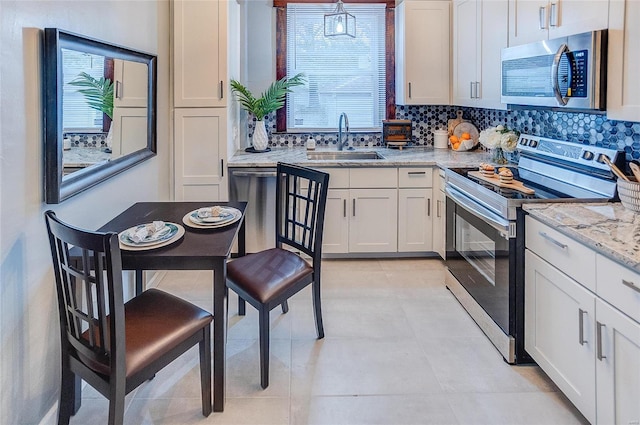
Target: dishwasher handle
(260, 174)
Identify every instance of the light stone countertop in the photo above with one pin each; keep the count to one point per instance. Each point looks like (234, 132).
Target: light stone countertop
(393, 158)
(84, 157)
(607, 228)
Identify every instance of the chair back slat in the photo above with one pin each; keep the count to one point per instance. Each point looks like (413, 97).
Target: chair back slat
(301, 196)
(89, 286)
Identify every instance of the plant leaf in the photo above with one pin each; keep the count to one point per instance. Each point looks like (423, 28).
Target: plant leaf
(271, 100)
(98, 92)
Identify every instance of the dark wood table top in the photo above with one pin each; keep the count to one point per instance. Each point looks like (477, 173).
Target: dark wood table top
(197, 249)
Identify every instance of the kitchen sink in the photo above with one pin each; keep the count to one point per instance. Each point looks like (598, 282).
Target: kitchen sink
(343, 155)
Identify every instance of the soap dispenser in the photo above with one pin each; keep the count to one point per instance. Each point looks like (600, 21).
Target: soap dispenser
(311, 143)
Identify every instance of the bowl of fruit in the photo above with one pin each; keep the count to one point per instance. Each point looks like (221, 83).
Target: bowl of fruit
(461, 143)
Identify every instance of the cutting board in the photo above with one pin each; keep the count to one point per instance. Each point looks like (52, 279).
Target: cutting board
(514, 184)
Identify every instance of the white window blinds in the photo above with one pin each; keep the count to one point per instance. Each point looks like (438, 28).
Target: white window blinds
(343, 74)
(77, 115)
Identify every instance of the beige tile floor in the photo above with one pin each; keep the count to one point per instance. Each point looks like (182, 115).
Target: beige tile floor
(398, 349)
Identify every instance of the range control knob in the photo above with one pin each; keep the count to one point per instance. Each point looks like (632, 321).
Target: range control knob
(587, 155)
(524, 142)
(533, 143)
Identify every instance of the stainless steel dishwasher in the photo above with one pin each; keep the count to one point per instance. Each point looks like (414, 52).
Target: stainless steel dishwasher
(257, 186)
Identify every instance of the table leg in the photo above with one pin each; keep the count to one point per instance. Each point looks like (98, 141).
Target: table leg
(219, 333)
(139, 283)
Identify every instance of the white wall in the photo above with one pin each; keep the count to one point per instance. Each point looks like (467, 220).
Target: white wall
(29, 339)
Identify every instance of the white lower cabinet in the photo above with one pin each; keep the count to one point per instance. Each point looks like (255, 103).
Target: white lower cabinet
(559, 334)
(373, 222)
(439, 218)
(584, 337)
(335, 238)
(617, 366)
(415, 220)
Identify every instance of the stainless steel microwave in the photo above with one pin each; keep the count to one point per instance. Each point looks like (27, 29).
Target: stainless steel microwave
(565, 72)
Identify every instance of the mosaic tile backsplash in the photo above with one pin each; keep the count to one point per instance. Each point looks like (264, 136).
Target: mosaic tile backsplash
(578, 127)
(87, 140)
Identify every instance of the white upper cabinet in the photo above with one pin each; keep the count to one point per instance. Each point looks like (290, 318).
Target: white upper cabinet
(423, 52)
(200, 51)
(535, 20)
(623, 84)
(479, 34)
(132, 89)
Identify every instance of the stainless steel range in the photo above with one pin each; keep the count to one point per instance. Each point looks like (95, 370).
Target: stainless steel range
(485, 229)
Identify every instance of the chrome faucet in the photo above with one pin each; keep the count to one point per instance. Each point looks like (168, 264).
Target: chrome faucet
(342, 142)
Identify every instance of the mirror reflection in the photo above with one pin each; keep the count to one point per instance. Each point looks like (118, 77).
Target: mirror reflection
(104, 109)
(99, 111)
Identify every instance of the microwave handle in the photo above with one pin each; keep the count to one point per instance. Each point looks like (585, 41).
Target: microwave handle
(554, 74)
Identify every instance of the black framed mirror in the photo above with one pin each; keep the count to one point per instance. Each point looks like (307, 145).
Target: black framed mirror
(99, 111)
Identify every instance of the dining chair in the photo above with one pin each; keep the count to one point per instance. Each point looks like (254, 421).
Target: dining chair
(116, 346)
(269, 278)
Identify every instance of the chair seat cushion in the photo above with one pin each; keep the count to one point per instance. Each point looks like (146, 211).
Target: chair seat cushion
(155, 322)
(267, 274)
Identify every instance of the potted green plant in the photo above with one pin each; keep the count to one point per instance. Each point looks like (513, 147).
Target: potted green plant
(98, 93)
(271, 100)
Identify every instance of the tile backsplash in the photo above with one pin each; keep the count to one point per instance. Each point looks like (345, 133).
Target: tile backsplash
(578, 127)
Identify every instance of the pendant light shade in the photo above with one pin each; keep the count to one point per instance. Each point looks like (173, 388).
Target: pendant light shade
(339, 22)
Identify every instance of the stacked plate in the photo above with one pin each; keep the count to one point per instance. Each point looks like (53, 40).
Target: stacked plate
(212, 217)
(136, 238)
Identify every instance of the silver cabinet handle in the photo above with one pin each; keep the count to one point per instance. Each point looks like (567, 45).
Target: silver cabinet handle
(477, 89)
(354, 207)
(553, 15)
(416, 173)
(471, 89)
(599, 327)
(438, 207)
(409, 90)
(344, 208)
(542, 16)
(222, 168)
(429, 207)
(581, 314)
(631, 285)
(553, 241)
(118, 90)
(221, 90)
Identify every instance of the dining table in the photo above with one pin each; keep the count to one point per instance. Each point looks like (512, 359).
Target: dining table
(199, 249)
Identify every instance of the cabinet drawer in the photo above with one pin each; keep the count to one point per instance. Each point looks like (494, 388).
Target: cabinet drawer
(569, 256)
(619, 286)
(373, 178)
(338, 177)
(415, 177)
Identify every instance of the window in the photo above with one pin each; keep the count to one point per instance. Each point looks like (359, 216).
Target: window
(77, 115)
(343, 74)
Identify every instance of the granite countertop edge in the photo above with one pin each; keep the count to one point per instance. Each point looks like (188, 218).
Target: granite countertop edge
(608, 228)
(391, 158)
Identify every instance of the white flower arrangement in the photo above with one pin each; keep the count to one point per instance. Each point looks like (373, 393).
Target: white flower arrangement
(499, 137)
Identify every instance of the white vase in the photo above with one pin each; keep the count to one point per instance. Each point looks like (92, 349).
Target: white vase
(260, 138)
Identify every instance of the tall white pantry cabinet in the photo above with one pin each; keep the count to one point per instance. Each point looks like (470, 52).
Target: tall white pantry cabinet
(204, 116)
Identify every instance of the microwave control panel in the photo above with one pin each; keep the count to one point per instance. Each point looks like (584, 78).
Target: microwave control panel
(577, 67)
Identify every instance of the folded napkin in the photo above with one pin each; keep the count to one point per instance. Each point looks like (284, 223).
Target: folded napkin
(216, 211)
(146, 232)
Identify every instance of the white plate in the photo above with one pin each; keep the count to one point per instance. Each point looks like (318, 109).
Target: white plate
(227, 214)
(191, 220)
(162, 235)
(177, 232)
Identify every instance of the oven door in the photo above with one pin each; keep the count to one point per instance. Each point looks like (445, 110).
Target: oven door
(481, 248)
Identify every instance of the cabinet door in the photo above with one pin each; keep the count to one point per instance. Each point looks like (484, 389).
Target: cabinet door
(199, 55)
(373, 224)
(131, 84)
(423, 46)
(335, 238)
(128, 131)
(466, 51)
(528, 21)
(617, 367)
(439, 220)
(559, 331)
(623, 89)
(415, 220)
(568, 17)
(200, 149)
(492, 37)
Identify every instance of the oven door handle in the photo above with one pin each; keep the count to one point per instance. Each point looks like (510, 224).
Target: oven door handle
(479, 211)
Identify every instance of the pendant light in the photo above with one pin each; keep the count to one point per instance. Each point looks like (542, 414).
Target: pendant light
(339, 23)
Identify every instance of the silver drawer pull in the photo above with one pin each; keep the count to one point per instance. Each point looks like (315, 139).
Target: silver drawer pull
(581, 314)
(553, 241)
(416, 173)
(631, 285)
(599, 327)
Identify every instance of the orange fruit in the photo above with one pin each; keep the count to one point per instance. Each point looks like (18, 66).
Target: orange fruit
(454, 139)
(465, 136)
(456, 146)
